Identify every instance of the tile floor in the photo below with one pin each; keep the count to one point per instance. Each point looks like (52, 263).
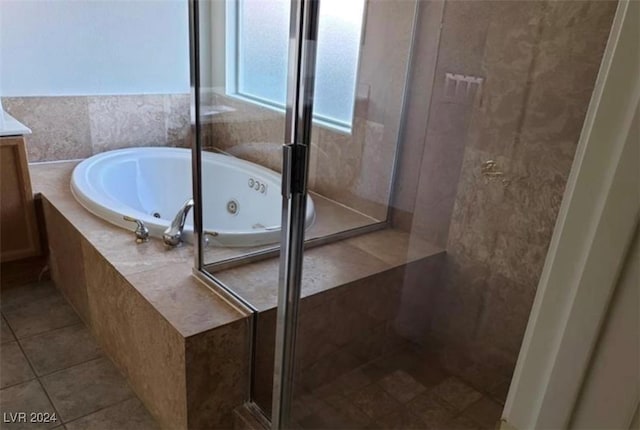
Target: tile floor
(50, 363)
(409, 389)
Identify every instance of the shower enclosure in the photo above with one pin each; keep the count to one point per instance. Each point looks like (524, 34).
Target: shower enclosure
(434, 140)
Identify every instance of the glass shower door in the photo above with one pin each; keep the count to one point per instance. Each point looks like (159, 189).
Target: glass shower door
(352, 163)
(419, 325)
(295, 168)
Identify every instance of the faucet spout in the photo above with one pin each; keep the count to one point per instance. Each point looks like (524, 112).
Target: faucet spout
(172, 236)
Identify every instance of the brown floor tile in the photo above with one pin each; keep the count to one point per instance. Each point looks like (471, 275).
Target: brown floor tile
(14, 367)
(48, 312)
(423, 367)
(128, 415)
(349, 414)
(307, 404)
(313, 421)
(456, 393)
(400, 420)
(428, 373)
(27, 397)
(6, 335)
(20, 296)
(500, 391)
(453, 360)
(485, 412)
(325, 418)
(345, 384)
(374, 401)
(329, 419)
(430, 410)
(402, 386)
(481, 377)
(399, 360)
(462, 423)
(61, 348)
(375, 371)
(85, 388)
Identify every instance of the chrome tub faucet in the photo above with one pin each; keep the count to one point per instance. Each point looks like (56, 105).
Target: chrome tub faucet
(141, 231)
(172, 236)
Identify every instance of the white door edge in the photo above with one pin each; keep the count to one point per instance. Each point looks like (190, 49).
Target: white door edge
(593, 231)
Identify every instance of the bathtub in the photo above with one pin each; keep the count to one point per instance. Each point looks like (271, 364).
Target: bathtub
(242, 202)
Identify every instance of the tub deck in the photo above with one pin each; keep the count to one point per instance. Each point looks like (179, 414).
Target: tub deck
(186, 350)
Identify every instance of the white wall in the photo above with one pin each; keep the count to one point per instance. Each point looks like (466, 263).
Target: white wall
(611, 389)
(92, 47)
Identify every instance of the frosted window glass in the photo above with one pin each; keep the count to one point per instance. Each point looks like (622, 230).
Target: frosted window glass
(262, 49)
(337, 58)
(263, 38)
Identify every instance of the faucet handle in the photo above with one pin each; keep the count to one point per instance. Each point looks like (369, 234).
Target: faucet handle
(141, 231)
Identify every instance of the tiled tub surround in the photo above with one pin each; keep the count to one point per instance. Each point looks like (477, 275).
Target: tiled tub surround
(184, 350)
(73, 127)
(539, 61)
(181, 347)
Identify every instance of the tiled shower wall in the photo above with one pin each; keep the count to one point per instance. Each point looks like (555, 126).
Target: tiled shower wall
(66, 128)
(539, 61)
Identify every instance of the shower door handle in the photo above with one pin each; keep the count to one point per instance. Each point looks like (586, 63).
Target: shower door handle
(293, 168)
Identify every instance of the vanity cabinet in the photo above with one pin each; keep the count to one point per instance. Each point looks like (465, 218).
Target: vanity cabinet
(18, 229)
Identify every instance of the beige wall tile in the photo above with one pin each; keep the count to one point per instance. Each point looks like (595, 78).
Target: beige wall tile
(65, 260)
(135, 335)
(178, 118)
(217, 364)
(66, 128)
(539, 61)
(126, 121)
(60, 126)
(183, 300)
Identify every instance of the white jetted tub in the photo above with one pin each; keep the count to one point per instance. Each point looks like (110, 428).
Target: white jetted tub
(242, 202)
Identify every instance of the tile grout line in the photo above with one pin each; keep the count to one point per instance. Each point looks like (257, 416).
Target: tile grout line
(102, 356)
(44, 375)
(43, 332)
(102, 409)
(34, 371)
(44, 389)
(455, 414)
(37, 376)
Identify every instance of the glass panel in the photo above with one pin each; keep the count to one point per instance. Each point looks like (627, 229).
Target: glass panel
(421, 314)
(243, 221)
(349, 181)
(419, 325)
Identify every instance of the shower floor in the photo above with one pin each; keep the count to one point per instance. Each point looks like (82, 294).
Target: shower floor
(412, 388)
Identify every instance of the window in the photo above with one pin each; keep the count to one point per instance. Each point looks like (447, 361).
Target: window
(257, 55)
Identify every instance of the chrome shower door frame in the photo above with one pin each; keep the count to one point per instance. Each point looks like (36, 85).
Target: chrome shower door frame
(299, 114)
